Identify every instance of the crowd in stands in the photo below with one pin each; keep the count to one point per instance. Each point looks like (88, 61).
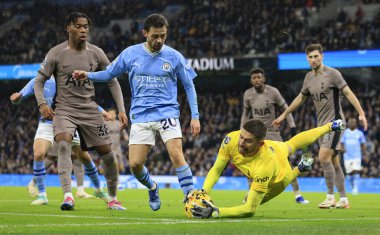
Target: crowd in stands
(220, 114)
(203, 28)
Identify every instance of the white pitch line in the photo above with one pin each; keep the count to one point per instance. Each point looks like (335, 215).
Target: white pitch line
(169, 221)
(174, 222)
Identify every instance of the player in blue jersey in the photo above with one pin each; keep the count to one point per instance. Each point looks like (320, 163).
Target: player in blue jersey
(153, 69)
(43, 142)
(353, 148)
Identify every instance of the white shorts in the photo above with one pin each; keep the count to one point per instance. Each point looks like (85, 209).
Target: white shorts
(145, 133)
(76, 139)
(353, 165)
(45, 131)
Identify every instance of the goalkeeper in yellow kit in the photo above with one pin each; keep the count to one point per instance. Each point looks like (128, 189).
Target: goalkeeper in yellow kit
(265, 161)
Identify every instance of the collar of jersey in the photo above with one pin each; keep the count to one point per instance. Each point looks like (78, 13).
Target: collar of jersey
(152, 53)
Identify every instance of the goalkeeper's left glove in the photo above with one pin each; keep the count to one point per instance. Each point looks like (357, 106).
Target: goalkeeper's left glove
(200, 212)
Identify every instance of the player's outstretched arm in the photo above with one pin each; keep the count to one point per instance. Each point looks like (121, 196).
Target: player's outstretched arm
(355, 102)
(195, 127)
(25, 92)
(214, 174)
(243, 211)
(80, 75)
(246, 210)
(298, 101)
(15, 98)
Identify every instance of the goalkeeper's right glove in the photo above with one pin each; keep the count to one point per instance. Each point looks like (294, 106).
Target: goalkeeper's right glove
(201, 212)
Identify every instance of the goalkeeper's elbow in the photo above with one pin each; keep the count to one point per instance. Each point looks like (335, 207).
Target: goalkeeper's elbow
(248, 212)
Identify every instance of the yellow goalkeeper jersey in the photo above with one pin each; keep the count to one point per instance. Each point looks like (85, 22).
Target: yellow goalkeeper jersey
(267, 167)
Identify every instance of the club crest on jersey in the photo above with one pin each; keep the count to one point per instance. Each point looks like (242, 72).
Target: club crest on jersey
(227, 139)
(166, 66)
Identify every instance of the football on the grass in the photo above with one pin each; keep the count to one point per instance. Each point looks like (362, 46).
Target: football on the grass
(196, 198)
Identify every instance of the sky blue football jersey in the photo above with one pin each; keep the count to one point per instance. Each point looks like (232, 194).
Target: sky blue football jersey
(49, 92)
(352, 141)
(153, 80)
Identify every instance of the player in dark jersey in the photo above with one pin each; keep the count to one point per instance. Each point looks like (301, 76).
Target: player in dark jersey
(261, 103)
(74, 107)
(325, 85)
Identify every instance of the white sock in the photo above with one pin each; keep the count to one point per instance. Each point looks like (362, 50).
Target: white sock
(42, 194)
(344, 199)
(68, 195)
(113, 198)
(80, 188)
(330, 196)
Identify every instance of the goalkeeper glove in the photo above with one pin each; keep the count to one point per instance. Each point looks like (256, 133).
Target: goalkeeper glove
(201, 212)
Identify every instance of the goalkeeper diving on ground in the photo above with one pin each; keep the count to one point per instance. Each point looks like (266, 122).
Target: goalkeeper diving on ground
(265, 161)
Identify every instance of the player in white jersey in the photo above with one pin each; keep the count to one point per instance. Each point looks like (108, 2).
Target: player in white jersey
(353, 148)
(153, 70)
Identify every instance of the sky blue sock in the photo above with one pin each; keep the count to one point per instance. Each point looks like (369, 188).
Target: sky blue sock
(144, 178)
(39, 172)
(92, 173)
(185, 178)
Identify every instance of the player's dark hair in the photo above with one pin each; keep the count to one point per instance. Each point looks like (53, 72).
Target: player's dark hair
(73, 17)
(155, 21)
(256, 128)
(313, 47)
(257, 70)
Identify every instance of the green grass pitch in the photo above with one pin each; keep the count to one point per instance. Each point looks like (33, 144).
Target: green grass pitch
(279, 216)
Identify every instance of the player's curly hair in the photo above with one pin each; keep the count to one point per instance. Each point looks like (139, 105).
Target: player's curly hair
(256, 128)
(155, 21)
(73, 17)
(257, 70)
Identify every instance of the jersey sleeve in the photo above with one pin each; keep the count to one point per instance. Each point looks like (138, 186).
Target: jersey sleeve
(100, 109)
(338, 79)
(184, 71)
(186, 74)
(225, 148)
(304, 90)
(116, 68)
(121, 64)
(103, 60)
(28, 89)
(47, 66)
(246, 102)
(280, 101)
